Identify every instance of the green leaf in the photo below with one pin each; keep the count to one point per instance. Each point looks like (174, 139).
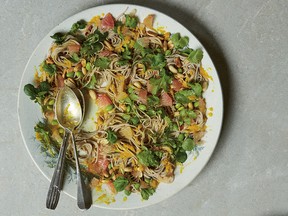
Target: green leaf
(81, 24)
(49, 68)
(92, 82)
(111, 137)
(92, 44)
(178, 41)
(59, 37)
(195, 56)
(181, 157)
(197, 88)
(148, 158)
(120, 183)
(123, 62)
(160, 83)
(30, 91)
(75, 58)
(183, 95)
(147, 192)
(44, 87)
(188, 144)
(153, 100)
(158, 61)
(131, 21)
(103, 62)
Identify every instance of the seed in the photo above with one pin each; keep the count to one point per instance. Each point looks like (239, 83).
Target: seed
(76, 68)
(177, 62)
(172, 69)
(127, 169)
(137, 84)
(178, 105)
(170, 45)
(141, 66)
(180, 108)
(109, 107)
(84, 71)
(49, 107)
(83, 62)
(142, 107)
(61, 130)
(190, 105)
(204, 86)
(92, 94)
(176, 114)
(165, 46)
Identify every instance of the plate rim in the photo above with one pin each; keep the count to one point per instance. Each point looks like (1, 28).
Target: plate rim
(207, 159)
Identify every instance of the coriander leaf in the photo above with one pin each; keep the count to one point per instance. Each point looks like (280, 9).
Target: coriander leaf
(122, 62)
(111, 137)
(147, 192)
(81, 24)
(158, 61)
(153, 100)
(180, 98)
(195, 56)
(188, 144)
(49, 68)
(183, 95)
(103, 62)
(120, 183)
(160, 83)
(197, 88)
(59, 37)
(178, 41)
(148, 158)
(131, 21)
(181, 157)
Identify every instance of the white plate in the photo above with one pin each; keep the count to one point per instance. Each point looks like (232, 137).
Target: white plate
(29, 112)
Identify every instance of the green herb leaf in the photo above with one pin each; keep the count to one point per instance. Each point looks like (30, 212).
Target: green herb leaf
(178, 41)
(59, 37)
(30, 91)
(188, 144)
(197, 88)
(158, 61)
(120, 183)
(103, 62)
(181, 157)
(148, 158)
(131, 21)
(195, 56)
(49, 68)
(153, 100)
(147, 192)
(92, 82)
(81, 24)
(160, 83)
(111, 137)
(75, 58)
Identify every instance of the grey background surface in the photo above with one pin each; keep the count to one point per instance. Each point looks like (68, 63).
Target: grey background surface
(248, 172)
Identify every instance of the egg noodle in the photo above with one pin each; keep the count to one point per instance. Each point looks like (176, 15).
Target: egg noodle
(148, 86)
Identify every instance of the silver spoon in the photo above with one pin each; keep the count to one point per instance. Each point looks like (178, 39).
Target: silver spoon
(69, 114)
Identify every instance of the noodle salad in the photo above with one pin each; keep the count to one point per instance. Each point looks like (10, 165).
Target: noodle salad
(148, 87)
